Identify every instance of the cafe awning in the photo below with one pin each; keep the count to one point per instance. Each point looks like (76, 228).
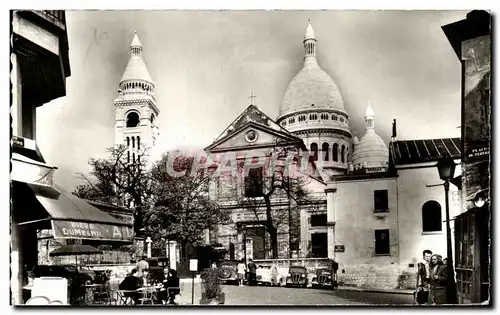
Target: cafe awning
(70, 217)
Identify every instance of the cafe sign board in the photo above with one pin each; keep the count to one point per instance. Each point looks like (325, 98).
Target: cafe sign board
(91, 231)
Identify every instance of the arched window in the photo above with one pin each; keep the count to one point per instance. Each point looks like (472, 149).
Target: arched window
(132, 120)
(133, 142)
(326, 150)
(335, 152)
(334, 117)
(128, 141)
(431, 217)
(313, 117)
(314, 151)
(342, 154)
(138, 143)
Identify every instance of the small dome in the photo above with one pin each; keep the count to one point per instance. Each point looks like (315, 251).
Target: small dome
(309, 32)
(369, 111)
(136, 68)
(136, 41)
(371, 151)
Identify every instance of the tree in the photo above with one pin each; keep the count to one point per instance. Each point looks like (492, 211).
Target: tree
(168, 207)
(282, 180)
(121, 180)
(182, 208)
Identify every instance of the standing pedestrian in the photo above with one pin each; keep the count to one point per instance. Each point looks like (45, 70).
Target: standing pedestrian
(423, 278)
(274, 274)
(241, 269)
(252, 272)
(438, 280)
(142, 265)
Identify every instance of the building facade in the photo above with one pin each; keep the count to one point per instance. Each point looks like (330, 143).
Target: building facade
(39, 68)
(136, 112)
(369, 206)
(472, 43)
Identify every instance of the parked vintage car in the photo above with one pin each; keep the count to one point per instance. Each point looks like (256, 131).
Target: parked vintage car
(228, 271)
(324, 278)
(297, 276)
(265, 276)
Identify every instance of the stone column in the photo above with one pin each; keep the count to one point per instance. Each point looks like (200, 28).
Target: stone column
(148, 246)
(330, 218)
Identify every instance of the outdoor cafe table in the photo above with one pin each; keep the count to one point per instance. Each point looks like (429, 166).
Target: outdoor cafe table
(89, 293)
(148, 294)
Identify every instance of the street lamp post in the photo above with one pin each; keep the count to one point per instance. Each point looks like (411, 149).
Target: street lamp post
(245, 245)
(446, 169)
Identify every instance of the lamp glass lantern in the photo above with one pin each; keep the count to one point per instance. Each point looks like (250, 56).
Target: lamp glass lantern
(446, 168)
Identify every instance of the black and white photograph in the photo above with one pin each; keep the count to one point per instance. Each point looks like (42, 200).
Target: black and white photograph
(277, 157)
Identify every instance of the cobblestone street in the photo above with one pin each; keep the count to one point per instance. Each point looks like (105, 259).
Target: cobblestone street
(263, 295)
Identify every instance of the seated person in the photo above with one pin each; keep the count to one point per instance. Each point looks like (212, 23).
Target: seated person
(132, 282)
(172, 281)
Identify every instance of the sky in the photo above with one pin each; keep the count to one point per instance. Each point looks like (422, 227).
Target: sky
(205, 64)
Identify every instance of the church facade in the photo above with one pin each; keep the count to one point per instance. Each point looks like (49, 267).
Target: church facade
(368, 203)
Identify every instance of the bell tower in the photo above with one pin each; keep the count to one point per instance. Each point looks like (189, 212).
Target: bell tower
(136, 113)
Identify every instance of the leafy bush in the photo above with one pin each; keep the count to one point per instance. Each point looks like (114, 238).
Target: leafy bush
(211, 283)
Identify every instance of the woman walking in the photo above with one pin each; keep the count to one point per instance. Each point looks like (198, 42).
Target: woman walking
(242, 268)
(438, 280)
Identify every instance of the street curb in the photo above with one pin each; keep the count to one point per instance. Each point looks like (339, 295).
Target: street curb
(406, 292)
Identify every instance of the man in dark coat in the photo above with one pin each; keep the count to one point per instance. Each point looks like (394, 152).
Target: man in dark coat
(252, 272)
(132, 282)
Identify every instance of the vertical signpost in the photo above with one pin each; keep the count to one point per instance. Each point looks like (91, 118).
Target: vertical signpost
(193, 267)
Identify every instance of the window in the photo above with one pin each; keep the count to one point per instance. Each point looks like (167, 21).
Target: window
(319, 245)
(431, 217)
(382, 243)
(313, 117)
(318, 220)
(342, 154)
(133, 142)
(314, 151)
(381, 201)
(334, 117)
(324, 116)
(302, 117)
(152, 118)
(254, 183)
(128, 156)
(132, 120)
(139, 143)
(341, 119)
(335, 152)
(326, 150)
(291, 120)
(283, 123)
(128, 141)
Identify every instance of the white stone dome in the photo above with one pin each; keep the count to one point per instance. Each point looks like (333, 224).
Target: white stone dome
(371, 151)
(312, 88)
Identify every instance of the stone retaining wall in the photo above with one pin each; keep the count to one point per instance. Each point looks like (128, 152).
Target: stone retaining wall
(365, 276)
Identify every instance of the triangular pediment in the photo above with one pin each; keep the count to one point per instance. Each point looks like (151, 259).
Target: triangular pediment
(252, 129)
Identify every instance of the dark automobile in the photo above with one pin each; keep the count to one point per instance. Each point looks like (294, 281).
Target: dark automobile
(324, 278)
(297, 276)
(228, 271)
